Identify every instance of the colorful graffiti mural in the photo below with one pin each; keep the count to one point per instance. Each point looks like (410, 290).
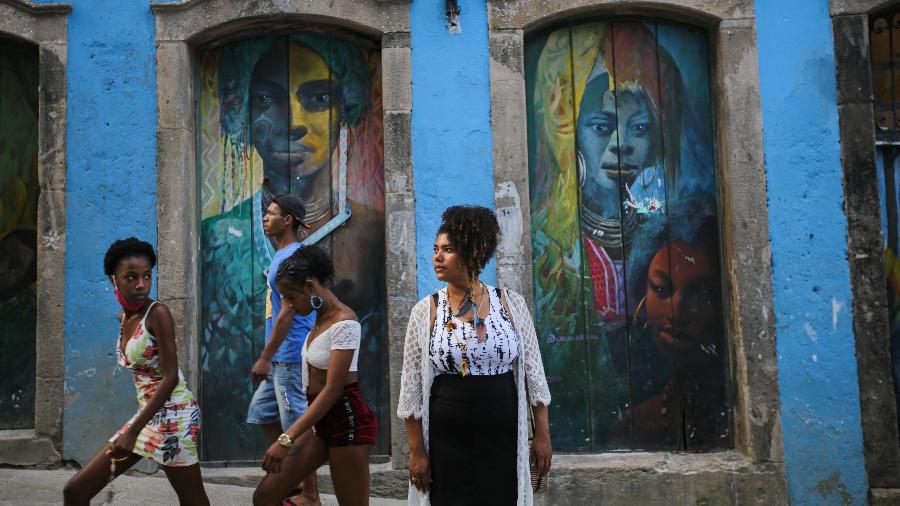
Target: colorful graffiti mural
(18, 239)
(625, 237)
(883, 36)
(271, 110)
(888, 165)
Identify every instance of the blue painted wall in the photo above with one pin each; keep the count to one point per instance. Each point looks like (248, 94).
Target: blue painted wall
(816, 353)
(451, 126)
(111, 179)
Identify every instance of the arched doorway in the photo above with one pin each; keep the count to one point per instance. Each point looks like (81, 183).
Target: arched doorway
(270, 115)
(625, 236)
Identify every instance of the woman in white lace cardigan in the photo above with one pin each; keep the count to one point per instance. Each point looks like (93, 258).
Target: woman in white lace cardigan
(470, 355)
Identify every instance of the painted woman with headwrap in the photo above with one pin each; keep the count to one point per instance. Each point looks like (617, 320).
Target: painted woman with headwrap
(610, 90)
(614, 139)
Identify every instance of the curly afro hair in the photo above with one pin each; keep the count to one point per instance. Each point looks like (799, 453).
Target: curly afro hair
(474, 231)
(305, 263)
(126, 248)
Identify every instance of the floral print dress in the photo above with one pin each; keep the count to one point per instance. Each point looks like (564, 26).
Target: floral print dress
(171, 436)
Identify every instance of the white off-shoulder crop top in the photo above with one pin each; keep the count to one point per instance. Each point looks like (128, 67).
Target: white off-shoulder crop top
(343, 335)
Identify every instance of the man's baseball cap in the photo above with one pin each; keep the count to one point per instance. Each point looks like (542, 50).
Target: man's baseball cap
(292, 205)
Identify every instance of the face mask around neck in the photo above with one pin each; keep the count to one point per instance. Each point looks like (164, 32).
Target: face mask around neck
(128, 307)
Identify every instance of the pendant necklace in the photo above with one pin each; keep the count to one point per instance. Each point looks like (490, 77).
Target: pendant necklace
(478, 323)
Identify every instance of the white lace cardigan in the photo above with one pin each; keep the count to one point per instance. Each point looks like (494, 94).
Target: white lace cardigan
(415, 383)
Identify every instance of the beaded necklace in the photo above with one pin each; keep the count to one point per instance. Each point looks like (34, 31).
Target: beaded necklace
(480, 328)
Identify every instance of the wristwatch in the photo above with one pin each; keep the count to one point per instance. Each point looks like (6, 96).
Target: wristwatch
(286, 441)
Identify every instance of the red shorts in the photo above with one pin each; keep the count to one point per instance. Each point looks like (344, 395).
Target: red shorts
(349, 422)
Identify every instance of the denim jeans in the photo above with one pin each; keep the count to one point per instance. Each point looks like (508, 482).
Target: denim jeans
(280, 398)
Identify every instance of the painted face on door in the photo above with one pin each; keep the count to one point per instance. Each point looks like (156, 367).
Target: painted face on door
(616, 133)
(294, 113)
(683, 304)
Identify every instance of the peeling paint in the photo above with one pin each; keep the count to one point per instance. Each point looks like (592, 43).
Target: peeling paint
(834, 487)
(399, 222)
(811, 332)
(836, 308)
(510, 218)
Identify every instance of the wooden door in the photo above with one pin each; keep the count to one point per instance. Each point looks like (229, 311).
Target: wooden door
(625, 237)
(270, 113)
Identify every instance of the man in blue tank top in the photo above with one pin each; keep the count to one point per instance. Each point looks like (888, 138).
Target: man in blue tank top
(280, 397)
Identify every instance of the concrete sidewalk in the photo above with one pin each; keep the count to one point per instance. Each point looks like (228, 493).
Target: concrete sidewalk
(40, 488)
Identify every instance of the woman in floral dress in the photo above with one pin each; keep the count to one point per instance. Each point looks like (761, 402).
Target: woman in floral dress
(166, 427)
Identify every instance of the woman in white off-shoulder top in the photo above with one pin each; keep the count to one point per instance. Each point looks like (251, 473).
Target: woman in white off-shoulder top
(471, 363)
(343, 425)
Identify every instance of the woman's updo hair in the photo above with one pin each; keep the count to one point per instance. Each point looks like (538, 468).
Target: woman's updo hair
(474, 232)
(305, 263)
(126, 248)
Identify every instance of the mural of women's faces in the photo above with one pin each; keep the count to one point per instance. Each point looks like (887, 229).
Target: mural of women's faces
(271, 112)
(18, 240)
(621, 157)
(888, 173)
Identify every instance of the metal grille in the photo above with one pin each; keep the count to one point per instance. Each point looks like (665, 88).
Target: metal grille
(884, 36)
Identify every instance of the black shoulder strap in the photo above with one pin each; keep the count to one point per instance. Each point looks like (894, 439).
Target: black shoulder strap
(433, 311)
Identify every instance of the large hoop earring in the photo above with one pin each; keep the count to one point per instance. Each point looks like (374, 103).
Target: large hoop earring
(582, 171)
(640, 315)
(316, 302)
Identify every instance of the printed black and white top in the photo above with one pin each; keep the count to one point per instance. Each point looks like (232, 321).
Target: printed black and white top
(496, 354)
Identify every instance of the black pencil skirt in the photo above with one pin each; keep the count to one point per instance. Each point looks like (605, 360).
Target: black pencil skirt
(472, 440)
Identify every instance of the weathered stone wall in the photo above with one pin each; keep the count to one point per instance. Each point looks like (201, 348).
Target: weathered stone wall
(864, 244)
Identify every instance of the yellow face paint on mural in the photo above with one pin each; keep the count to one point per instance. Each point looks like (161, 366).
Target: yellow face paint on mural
(294, 110)
(315, 105)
